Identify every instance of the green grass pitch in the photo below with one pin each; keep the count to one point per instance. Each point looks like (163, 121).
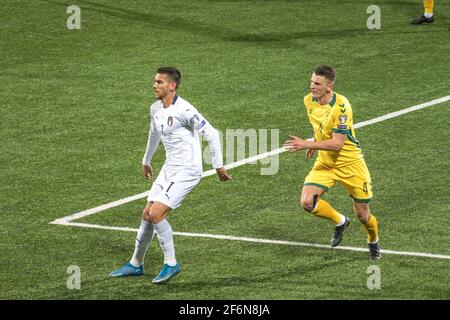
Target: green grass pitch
(74, 125)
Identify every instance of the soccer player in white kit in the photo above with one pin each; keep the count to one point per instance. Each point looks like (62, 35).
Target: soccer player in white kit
(177, 123)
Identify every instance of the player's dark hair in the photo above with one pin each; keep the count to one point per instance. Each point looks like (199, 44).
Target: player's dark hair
(326, 71)
(172, 73)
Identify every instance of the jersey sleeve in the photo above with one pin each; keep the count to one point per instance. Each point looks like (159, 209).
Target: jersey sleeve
(343, 118)
(152, 142)
(193, 119)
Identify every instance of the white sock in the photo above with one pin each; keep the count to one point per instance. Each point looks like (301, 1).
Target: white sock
(428, 15)
(342, 221)
(143, 239)
(165, 237)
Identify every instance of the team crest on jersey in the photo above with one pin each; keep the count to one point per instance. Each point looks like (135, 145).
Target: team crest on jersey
(342, 118)
(170, 121)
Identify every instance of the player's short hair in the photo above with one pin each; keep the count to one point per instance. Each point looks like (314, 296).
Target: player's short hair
(172, 73)
(326, 71)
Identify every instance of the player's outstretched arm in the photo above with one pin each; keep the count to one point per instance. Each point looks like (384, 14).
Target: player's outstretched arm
(296, 143)
(212, 137)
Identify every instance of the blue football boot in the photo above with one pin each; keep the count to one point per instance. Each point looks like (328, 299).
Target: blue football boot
(167, 272)
(128, 270)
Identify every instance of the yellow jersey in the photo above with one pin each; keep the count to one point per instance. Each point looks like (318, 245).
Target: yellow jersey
(336, 116)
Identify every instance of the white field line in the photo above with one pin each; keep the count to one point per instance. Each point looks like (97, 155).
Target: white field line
(266, 241)
(67, 219)
(103, 207)
(403, 111)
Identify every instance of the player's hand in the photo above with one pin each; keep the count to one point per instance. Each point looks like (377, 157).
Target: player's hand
(223, 174)
(294, 143)
(310, 153)
(147, 171)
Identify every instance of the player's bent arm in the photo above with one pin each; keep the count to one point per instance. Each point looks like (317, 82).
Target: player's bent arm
(212, 137)
(334, 144)
(195, 120)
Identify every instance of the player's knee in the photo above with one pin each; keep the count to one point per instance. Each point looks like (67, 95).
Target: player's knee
(307, 204)
(157, 214)
(146, 213)
(363, 217)
(309, 201)
(154, 217)
(146, 216)
(362, 212)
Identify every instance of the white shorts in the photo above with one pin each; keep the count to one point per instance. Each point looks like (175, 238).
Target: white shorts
(170, 188)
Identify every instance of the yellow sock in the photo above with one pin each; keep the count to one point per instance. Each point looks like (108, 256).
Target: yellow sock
(428, 6)
(324, 210)
(372, 229)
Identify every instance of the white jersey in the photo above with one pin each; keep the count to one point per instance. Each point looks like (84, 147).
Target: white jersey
(178, 126)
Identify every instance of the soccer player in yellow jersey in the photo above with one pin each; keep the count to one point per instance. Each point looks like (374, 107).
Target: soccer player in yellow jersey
(340, 159)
